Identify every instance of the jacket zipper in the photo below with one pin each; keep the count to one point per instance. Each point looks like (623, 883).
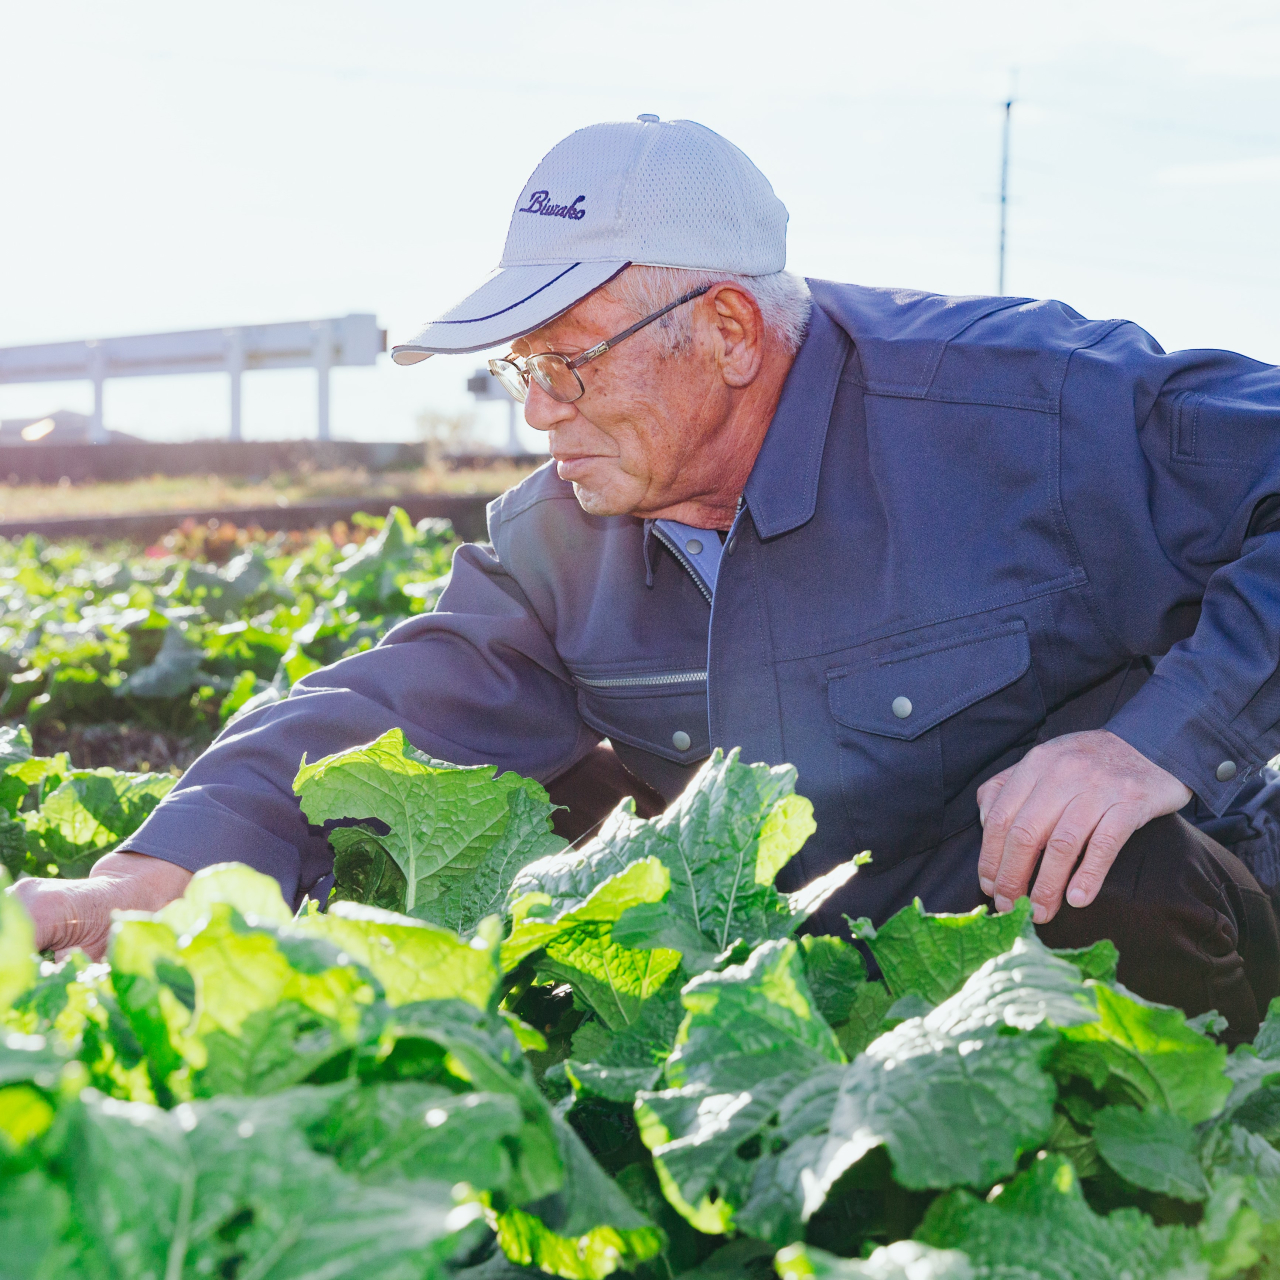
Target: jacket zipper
(626, 682)
(682, 561)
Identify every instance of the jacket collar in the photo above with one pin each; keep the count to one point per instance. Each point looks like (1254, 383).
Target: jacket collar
(782, 490)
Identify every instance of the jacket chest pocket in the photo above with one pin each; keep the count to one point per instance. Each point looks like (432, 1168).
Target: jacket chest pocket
(915, 724)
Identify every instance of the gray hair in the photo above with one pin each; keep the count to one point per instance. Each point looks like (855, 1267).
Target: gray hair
(784, 301)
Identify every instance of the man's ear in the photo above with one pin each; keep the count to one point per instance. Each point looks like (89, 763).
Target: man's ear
(738, 333)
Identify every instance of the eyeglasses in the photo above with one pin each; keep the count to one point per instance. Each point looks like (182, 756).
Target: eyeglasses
(557, 375)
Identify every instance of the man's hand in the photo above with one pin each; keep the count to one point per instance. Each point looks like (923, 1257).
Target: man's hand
(1081, 789)
(77, 913)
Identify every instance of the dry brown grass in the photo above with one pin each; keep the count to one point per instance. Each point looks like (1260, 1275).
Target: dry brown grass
(211, 492)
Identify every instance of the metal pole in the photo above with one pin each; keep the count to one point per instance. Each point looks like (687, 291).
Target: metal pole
(98, 372)
(1004, 189)
(324, 356)
(235, 367)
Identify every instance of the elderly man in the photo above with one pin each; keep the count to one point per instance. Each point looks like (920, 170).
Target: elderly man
(1002, 582)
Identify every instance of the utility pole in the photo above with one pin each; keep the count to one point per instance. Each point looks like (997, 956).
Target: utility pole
(1004, 187)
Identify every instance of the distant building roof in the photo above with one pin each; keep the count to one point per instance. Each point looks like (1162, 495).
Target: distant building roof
(62, 427)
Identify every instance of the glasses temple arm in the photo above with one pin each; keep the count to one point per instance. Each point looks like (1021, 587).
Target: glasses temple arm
(600, 348)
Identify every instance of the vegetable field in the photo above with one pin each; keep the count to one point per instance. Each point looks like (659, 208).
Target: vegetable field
(173, 642)
(495, 1055)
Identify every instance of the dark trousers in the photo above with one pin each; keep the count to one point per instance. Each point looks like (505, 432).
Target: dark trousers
(1193, 927)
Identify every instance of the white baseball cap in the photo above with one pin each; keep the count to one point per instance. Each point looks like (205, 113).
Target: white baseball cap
(660, 193)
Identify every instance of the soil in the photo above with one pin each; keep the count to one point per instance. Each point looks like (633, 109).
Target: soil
(121, 746)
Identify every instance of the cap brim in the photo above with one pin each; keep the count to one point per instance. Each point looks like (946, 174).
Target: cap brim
(511, 303)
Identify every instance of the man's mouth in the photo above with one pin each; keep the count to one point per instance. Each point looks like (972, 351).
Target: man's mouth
(575, 467)
(571, 466)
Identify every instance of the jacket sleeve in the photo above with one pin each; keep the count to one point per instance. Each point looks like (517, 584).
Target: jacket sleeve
(1179, 526)
(476, 682)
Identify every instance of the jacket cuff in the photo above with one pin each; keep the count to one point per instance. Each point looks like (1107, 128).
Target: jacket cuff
(1189, 741)
(224, 836)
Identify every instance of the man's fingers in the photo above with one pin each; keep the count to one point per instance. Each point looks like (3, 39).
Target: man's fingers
(1025, 839)
(987, 793)
(77, 913)
(1109, 837)
(67, 914)
(1061, 853)
(1016, 786)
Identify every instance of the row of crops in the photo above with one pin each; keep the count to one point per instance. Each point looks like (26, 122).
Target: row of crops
(179, 638)
(494, 1055)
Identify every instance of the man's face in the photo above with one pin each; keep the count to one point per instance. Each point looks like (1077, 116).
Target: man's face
(634, 444)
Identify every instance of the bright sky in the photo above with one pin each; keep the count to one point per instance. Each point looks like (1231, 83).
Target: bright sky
(173, 166)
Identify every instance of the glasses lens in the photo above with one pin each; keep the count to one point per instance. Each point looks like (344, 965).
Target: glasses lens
(510, 377)
(553, 375)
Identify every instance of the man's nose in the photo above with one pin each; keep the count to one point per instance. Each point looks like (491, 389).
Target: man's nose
(543, 413)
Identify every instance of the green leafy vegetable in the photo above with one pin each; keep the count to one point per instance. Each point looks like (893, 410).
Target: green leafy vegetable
(751, 1036)
(932, 955)
(90, 814)
(443, 824)
(597, 1060)
(721, 842)
(1150, 1053)
(1151, 1149)
(1041, 1228)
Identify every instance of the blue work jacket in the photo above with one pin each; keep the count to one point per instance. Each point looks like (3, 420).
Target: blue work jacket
(974, 524)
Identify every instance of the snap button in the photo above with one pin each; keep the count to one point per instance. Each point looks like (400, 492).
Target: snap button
(681, 740)
(693, 547)
(1226, 771)
(901, 707)
(732, 546)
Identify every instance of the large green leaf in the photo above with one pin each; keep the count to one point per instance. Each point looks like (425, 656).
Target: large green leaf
(399, 1132)
(1040, 1228)
(835, 971)
(132, 1182)
(411, 959)
(34, 1215)
(483, 1052)
(579, 946)
(1149, 1052)
(90, 813)
(932, 955)
(587, 1230)
(955, 1097)
(231, 1187)
(751, 1035)
(223, 980)
(722, 842)
(751, 1021)
(443, 822)
(645, 1042)
(274, 1048)
(265, 1201)
(1152, 1149)
(526, 838)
